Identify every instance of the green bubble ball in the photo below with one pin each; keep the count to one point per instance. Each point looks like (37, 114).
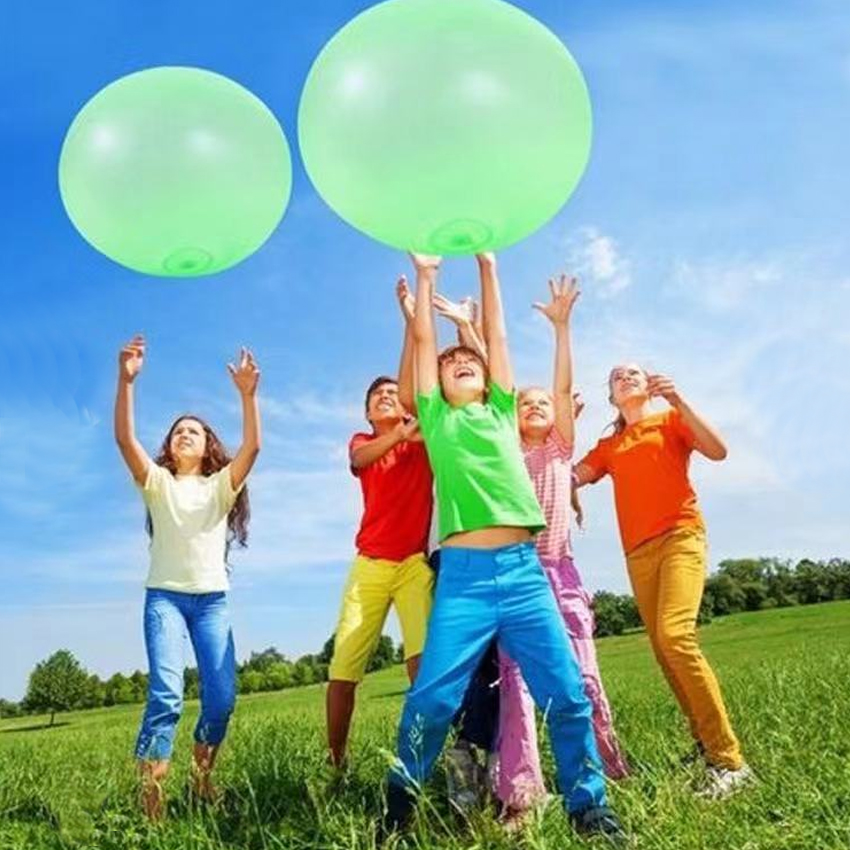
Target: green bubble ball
(177, 172)
(445, 126)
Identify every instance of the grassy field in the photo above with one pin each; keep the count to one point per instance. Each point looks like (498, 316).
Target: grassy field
(786, 677)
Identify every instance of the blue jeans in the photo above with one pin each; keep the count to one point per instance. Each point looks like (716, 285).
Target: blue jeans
(501, 593)
(169, 617)
(477, 719)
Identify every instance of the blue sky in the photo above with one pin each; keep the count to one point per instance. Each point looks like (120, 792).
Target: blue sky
(710, 233)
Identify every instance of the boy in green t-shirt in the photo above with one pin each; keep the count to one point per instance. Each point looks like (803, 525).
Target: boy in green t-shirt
(491, 581)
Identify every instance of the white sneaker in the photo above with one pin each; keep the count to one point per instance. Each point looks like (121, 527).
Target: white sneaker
(723, 782)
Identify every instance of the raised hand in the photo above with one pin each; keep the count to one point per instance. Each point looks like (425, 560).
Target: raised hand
(246, 375)
(408, 429)
(426, 262)
(406, 301)
(131, 359)
(486, 260)
(578, 405)
(565, 292)
(460, 313)
(663, 387)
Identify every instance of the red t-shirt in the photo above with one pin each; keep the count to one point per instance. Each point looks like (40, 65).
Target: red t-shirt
(397, 501)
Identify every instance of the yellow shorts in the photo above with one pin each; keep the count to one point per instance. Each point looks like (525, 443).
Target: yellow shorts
(373, 584)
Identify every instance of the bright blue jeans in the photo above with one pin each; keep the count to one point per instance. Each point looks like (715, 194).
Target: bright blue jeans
(169, 617)
(502, 593)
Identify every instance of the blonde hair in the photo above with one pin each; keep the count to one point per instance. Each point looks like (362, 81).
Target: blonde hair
(522, 392)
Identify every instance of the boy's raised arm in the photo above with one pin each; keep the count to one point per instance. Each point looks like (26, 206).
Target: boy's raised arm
(424, 331)
(495, 334)
(406, 374)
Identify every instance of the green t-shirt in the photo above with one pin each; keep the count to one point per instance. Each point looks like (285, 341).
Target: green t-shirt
(477, 463)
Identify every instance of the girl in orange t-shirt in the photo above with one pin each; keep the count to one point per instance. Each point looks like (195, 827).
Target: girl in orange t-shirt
(663, 536)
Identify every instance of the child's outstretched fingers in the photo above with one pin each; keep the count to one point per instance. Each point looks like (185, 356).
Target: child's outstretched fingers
(131, 358)
(246, 375)
(661, 385)
(426, 262)
(578, 405)
(457, 313)
(565, 293)
(406, 301)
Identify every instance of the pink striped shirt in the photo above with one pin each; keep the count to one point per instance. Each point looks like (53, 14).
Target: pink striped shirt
(551, 470)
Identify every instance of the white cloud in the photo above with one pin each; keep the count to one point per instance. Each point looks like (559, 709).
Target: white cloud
(301, 520)
(312, 410)
(596, 259)
(726, 285)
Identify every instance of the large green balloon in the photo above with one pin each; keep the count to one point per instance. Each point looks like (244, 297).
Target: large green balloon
(445, 126)
(175, 171)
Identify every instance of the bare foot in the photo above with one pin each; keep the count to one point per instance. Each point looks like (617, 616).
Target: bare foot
(204, 790)
(152, 798)
(514, 821)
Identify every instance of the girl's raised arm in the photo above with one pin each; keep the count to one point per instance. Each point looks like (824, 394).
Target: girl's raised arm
(246, 377)
(558, 311)
(130, 362)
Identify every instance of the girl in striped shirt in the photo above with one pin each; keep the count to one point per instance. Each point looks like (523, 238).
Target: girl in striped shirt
(546, 423)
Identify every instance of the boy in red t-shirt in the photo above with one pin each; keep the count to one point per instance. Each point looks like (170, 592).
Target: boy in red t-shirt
(391, 566)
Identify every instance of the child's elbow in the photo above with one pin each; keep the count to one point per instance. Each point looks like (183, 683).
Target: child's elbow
(719, 453)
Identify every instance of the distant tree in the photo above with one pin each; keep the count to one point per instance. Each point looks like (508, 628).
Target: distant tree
(399, 654)
(94, 693)
(250, 681)
(262, 661)
(139, 683)
(302, 674)
(839, 571)
(608, 612)
(383, 656)
(781, 586)
(726, 593)
(327, 652)
(119, 690)
(278, 676)
(56, 684)
(10, 709)
(191, 683)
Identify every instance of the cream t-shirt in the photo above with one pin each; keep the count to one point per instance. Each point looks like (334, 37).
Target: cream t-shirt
(189, 515)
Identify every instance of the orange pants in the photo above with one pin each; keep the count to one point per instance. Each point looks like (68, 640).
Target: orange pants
(668, 576)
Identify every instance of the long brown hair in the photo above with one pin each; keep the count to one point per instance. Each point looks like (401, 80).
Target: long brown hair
(215, 458)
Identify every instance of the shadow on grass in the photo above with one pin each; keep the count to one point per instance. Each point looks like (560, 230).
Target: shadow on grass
(38, 728)
(392, 694)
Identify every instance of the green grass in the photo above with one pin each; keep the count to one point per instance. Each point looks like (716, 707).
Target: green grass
(786, 678)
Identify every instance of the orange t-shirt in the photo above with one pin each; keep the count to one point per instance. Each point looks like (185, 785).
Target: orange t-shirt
(648, 462)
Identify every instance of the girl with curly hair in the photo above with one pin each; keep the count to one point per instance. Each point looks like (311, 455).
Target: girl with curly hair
(197, 507)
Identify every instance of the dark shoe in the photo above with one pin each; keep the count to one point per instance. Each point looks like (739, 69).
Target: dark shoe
(694, 756)
(400, 805)
(598, 820)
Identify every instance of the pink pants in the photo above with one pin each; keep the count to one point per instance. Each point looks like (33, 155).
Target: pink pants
(518, 781)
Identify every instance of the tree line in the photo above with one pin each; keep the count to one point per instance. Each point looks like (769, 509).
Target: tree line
(61, 683)
(744, 584)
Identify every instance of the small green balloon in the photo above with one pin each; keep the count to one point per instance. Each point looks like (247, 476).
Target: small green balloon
(445, 126)
(177, 172)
